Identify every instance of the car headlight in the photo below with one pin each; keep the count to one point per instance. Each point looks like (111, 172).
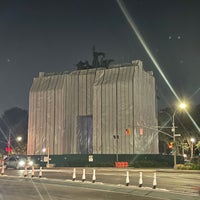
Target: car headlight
(21, 163)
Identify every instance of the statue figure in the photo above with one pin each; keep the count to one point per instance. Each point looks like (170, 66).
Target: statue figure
(106, 63)
(83, 65)
(98, 61)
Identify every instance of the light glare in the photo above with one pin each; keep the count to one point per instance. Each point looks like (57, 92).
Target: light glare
(182, 105)
(147, 49)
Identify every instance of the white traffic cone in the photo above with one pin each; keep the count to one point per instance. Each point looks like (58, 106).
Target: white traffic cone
(140, 180)
(127, 178)
(40, 172)
(32, 172)
(2, 170)
(25, 171)
(74, 175)
(154, 181)
(83, 176)
(94, 176)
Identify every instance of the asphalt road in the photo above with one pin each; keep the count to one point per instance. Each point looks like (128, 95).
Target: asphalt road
(23, 189)
(109, 184)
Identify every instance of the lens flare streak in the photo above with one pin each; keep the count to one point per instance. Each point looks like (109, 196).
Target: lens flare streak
(147, 49)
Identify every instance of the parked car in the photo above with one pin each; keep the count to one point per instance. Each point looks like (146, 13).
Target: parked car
(17, 162)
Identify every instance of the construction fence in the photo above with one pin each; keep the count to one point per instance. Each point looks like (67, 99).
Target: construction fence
(107, 160)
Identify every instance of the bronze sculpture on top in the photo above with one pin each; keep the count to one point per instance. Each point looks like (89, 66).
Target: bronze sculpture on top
(98, 61)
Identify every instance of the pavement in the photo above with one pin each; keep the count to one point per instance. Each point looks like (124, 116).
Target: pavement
(130, 190)
(167, 170)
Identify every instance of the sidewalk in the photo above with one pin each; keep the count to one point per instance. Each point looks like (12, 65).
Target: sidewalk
(178, 171)
(167, 170)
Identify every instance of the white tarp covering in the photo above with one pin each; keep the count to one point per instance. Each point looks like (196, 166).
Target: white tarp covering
(82, 111)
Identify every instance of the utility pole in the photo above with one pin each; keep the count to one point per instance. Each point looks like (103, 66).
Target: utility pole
(174, 139)
(9, 143)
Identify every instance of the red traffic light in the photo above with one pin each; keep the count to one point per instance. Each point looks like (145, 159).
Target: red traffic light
(8, 149)
(128, 131)
(141, 131)
(170, 145)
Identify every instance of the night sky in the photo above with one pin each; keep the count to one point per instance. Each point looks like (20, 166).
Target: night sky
(54, 35)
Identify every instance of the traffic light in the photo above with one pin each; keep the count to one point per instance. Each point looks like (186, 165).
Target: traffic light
(170, 145)
(128, 131)
(8, 149)
(141, 131)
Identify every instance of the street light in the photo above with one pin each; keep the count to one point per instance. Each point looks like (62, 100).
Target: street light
(181, 106)
(192, 140)
(19, 139)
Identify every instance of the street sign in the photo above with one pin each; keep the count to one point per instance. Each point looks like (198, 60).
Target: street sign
(173, 151)
(90, 158)
(176, 135)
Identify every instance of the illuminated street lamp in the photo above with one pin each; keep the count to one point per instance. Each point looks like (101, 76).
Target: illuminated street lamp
(192, 140)
(43, 150)
(181, 106)
(19, 139)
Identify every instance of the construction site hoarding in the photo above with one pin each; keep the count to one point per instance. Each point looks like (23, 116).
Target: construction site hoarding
(88, 112)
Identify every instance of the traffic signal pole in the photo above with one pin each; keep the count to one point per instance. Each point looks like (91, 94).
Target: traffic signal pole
(9, 145)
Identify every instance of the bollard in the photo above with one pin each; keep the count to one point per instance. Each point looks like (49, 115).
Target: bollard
(127, 178)
(25, 171)
(94, 176)
(83, 176)
(2, 170)
(40, 172)
(32, 172)
(140, 180)
(154, 181)
(74, 175)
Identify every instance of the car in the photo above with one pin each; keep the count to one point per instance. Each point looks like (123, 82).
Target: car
(17, 162)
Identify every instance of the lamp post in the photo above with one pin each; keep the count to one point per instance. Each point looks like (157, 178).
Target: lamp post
(192, 140)
(174, 138)
(19, 147)
(9, 144)
(182, 106)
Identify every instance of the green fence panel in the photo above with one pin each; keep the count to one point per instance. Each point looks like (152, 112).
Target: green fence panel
(108, 160)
